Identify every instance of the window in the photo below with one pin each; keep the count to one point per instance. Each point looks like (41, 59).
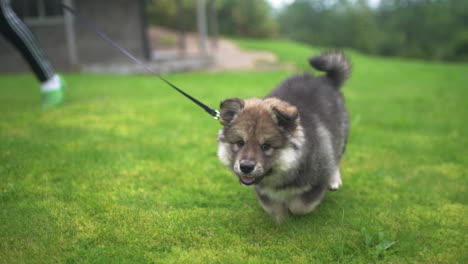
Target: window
(39, 11)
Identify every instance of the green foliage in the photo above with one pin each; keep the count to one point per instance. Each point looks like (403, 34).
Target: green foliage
(164, 12)
(246, 18)
(424, 29)
(249, 18)
(126, 171)
(376, 246)
(337, 25)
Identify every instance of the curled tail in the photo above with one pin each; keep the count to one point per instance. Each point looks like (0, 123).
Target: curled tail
(335, 64)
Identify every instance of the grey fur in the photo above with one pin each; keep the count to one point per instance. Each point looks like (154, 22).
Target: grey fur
(317, 144)
(335, 64)
(321, 110)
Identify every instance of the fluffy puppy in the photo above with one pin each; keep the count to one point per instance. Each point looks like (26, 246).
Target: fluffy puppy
(289, 144)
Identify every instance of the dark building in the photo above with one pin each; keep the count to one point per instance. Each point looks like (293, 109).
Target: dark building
(70, 45)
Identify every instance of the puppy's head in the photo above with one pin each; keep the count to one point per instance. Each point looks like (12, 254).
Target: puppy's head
(255, 133)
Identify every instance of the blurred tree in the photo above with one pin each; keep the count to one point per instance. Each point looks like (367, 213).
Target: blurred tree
(167, 13)
(363, 33)
(425, 28)
(250, 18)
(429, 29)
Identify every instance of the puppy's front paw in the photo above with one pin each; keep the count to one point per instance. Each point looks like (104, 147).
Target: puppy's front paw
(279, 213)
(334, 186)
(335, 181)
(274, 208)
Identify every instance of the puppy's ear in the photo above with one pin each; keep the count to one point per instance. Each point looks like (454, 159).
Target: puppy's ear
(229, 108)
(286, 116)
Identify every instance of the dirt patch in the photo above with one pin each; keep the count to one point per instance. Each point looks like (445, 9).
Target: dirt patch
(227, 55)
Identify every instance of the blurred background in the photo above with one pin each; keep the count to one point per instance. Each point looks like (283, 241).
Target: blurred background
(181, 35)
(125, 171)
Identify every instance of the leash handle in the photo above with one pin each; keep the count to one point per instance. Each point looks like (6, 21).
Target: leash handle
(92, 27)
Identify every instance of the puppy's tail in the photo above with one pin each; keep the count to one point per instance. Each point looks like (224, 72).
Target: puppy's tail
(335, 64)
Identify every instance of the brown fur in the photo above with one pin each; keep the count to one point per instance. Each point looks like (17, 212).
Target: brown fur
(263, 121)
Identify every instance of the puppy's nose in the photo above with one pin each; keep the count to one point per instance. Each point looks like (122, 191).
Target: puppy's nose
(247, 166)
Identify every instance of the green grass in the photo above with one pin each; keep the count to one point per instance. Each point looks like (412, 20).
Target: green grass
(126, 171)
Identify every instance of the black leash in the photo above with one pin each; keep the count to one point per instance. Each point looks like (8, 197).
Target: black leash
(91, 26)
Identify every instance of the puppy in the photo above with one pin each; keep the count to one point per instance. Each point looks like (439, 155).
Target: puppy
(289, 144)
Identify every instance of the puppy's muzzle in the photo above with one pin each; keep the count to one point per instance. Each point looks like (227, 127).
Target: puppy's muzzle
(247, 166)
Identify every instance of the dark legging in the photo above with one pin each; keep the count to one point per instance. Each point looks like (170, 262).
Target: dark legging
(23, 39)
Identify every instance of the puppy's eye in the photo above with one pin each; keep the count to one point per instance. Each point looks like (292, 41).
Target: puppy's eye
(265, 147)
(240, 143)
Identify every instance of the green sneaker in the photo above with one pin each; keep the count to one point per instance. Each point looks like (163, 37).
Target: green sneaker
(54, 98)
(63, 84)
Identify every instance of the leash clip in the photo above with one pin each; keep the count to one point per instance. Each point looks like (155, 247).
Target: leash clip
(217, 116)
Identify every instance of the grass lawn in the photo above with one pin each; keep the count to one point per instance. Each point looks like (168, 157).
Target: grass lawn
(126, 171)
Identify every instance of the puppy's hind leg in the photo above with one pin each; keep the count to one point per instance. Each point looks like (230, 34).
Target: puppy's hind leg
(335, 180)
